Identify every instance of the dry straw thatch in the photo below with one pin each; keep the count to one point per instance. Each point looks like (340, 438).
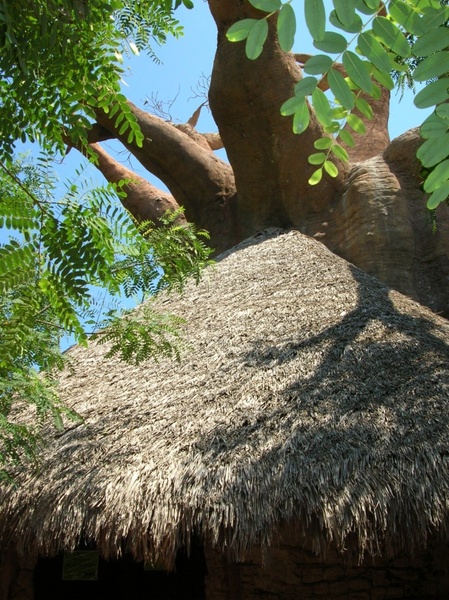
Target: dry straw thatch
(310, 393)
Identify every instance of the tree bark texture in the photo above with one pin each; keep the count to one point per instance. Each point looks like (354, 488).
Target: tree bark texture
(373, 214)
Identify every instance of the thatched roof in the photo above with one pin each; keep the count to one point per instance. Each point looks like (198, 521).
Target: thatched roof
(309, 391)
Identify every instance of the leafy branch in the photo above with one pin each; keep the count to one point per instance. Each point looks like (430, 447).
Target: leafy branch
(406, 38)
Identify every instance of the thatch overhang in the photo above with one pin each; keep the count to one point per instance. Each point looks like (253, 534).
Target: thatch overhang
(309, 393)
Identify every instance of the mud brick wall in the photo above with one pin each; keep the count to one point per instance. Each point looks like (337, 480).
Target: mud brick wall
(293, 573)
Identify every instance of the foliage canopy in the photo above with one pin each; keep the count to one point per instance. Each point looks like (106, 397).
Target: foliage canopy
(71, 255)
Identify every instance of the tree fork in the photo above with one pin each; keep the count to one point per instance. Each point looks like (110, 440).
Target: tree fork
(198, 180)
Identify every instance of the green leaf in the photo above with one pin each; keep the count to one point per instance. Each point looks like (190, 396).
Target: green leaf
(340, 152)
(316, 177)
(367, 8)
(437, 176)
(433, 17)
(358, 71)
(347, 138)
(434, 93)
(374, 51)
(345, 10)
(442, 111)
(301, 119)
(286, 26)
(439, 195)
(266, 5)
(331, 42)
(330, 168)
(323, 143)
(305, 86)
(433, 41)
(434, 126)
(256, 39)
(318, 64)
(354, 27)
(338, 112)
(365, 108)
(433, 66)
(317, 159)
(384, 79)
(434, 150)
(391, 36)
(356, 124)
(315, 15)
(340, 88)
(405, 16)
(422, 5)
(239, 31)
(322, 107)
(291, 105)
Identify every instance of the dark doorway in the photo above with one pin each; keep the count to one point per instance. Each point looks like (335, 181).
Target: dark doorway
(124, 579)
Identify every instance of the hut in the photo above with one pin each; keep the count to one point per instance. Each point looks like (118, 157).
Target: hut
(299, 449)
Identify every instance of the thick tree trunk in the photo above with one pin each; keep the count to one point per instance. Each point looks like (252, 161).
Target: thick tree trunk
(373, 214)
(269, 160)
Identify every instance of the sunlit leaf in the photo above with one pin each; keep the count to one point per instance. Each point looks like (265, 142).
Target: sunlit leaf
(256, 39)
(291, 105)
(339, 112)
(333, 127)
(317, 159)
(239, 31)
(301, 119)
(384, 79)
(316, 177)
(286, 26)
(340, 152)
(364, 107)
(330, 168)
(434, 93)
(323, 143)
(347, 138)
(356, 124)
(134, 48)
(315, 16)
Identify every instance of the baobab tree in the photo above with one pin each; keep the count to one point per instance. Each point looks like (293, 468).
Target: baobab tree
(372, 213)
